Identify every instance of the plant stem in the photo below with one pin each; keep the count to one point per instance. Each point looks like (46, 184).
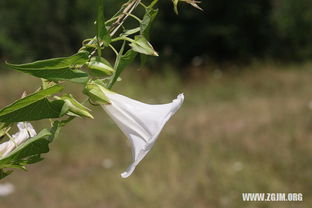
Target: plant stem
(115, 51)
(11, 138)
(120, 19)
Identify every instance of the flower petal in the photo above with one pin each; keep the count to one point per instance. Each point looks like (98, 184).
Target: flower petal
(25, 131)
(31, 129)
(140, 122)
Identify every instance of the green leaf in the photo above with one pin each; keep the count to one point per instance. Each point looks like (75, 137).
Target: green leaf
(32, 98)
(41, 109)
(65, 74)
(33, 107)
(4, 173)
(141, 45)
(55, 130)
(150, 15)
(131, 31)
(55, 63)
(102, 32)
(56, 69)
(145, 26)
(122, 61)
(28, 152)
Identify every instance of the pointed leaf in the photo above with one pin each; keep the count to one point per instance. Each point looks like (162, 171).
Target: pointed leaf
(150, 15)
(102, 32)
(122, 61)
(54, 63)
(32, 147)
(33, 107)
(57, 68)
(55, 130)
(131, 31)
(30, 151)
(41, 109)
(65, 74)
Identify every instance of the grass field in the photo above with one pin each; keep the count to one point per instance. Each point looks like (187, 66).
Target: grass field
(246, 131)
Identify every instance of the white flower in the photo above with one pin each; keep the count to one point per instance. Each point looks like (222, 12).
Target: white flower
(25, 131)
(140, 122)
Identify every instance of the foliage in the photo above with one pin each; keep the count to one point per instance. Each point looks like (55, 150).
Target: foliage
(293, 20)
(33, 107)
(225, 30)
(237, 30)
(86, 67)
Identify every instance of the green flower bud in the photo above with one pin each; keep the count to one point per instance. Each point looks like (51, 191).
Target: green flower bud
(141, 45)
(75, 108)
(100, 67)
(96, 93)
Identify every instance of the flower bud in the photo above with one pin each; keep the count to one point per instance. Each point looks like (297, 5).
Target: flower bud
(100, 67)
(75, 108)
(141, 45)
(96, 93)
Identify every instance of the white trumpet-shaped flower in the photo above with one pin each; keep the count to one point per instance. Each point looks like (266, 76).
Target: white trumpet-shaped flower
(25, 131)
(140, 122)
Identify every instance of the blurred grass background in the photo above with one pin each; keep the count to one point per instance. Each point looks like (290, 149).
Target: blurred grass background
(242, 131)
(245, 126)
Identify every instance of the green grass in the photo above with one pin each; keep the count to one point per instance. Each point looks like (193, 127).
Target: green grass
(247, 131)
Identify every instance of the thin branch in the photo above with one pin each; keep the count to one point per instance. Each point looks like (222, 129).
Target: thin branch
(120, 20)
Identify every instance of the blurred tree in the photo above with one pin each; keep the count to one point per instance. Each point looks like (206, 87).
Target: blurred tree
(43, 28)
(225, 31)
(293, 20)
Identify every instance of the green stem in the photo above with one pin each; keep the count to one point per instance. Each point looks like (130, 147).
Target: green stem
(120, 18)
(135, 17)
(143, 5)
(99, 17)
(115, 51)
(153, 4)
(70, 118)
(11, 138)
(111, 20)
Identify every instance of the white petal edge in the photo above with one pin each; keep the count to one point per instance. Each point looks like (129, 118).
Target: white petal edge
(25, 132)
(126, 114)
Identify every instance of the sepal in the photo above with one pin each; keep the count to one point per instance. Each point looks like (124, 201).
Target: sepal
(73, 108)
(141, 45)
(100, 67)
(96, 93)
